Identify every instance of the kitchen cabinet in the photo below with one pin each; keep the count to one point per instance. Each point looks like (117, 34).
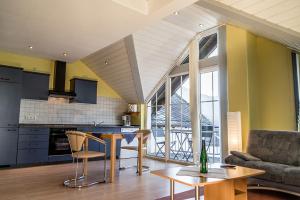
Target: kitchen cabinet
(96, 146)
(33, 145)
(35, 86)
(32, 156)
(10, 74)
(8, 146)
(10, 91)
(93, 145)
(109, 130)
(9, 104)
(85, 90)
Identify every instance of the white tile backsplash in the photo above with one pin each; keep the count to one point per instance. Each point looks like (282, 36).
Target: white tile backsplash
(109, 110)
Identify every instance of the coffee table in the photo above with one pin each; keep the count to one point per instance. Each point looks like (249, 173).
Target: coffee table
(234, 187)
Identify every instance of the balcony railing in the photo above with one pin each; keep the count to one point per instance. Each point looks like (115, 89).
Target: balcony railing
(181, 145)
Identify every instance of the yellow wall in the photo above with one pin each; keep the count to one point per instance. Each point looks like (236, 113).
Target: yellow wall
(260, 83)
(75, 69)
(80, 70)
(275, 90)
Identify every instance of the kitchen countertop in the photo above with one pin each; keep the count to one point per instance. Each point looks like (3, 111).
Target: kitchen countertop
(77, 126)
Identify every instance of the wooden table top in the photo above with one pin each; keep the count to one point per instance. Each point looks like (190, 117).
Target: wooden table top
(232, 173)
(117, 136)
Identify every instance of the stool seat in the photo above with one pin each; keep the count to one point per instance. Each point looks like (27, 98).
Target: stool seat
(88, 154)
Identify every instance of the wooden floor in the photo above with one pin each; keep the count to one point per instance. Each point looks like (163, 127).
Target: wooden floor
(45, 183)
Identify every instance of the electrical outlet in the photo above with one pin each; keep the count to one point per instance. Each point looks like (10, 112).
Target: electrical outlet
(30, 116)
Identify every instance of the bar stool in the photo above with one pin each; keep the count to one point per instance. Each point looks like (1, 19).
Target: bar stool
(77, 140)
(146, 135)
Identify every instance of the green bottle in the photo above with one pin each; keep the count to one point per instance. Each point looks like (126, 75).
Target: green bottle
(203, 159)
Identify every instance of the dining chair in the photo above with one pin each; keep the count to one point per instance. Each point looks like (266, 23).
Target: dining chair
(77, 141)
(146, 135)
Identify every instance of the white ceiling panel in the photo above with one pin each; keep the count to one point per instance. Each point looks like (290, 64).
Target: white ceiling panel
(157, 48)
(191, 17)
(114, 66)
(284, 13)
(238, 13)
(136, 67)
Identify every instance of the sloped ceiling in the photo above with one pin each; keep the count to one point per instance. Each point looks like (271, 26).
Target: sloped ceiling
(194, 18)
(138, 62)
(157, 47)
(260, 24)
(282, 13)
(115, 65)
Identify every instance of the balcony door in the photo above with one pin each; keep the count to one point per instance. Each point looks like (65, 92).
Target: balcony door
(210, 113)
(180, 145)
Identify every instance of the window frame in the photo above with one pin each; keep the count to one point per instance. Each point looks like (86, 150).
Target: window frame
(204, 64)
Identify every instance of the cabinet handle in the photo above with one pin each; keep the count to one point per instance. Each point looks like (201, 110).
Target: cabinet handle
(5, 79)
(11, 129)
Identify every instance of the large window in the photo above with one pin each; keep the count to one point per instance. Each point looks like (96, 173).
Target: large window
(208, 47)
(180, 123)
(169, 109)
(210, 113)
(157, 121)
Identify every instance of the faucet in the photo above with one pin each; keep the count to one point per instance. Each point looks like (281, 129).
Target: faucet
(97, 124)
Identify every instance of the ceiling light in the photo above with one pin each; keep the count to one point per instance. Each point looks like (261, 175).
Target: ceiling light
(201, 25)
(30, 47)
(176, 13)
(65, 54)
(106, 62)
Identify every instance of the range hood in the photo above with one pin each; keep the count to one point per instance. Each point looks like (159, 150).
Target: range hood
(59, 80)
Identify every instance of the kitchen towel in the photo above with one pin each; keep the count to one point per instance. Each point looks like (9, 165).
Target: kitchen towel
(129, 137)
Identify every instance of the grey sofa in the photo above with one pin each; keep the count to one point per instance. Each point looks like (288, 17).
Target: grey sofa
(276, 152)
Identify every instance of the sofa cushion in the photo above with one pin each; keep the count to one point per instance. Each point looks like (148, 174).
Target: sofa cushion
(275, 146)
(245, 156)
(234, 160)
(274, 171)
(292, 176)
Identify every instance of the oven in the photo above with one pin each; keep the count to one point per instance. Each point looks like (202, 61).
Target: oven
(58, 141)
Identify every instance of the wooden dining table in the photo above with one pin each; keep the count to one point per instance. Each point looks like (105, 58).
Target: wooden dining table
(113, 137)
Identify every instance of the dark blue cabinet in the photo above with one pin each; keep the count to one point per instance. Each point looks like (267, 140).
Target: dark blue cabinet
(85, 90)
(10, 74)
(33, 145)
(109, 130)
(10, 96)
(31, 156)
(8, 146)
(95, 146)
(35, 86)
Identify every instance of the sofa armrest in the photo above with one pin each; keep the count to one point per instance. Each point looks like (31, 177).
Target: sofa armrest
(245, 156)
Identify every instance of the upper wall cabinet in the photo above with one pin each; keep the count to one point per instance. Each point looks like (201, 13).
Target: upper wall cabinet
(35, 85)
(10, 74)
(85, 90)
